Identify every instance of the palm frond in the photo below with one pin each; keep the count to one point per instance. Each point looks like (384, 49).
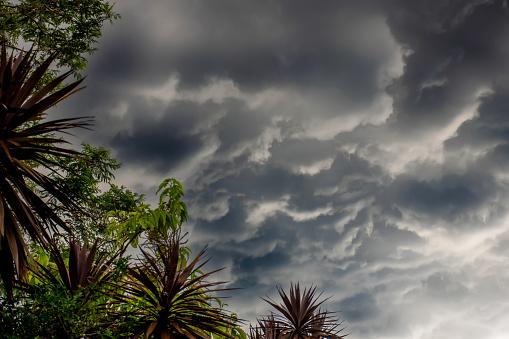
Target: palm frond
(298, 316)
(267, 328)
(27, 145)
(171, 298)
(86, 266)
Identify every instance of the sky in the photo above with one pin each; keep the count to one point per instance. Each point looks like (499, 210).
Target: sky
(360, 146)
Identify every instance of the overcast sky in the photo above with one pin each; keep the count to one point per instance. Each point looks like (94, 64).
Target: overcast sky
(362, 146)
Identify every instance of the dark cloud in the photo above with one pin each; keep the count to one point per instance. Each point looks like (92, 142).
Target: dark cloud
(166, 141)
(359, 307)
(488, 129)
(497, 158)
(382, 242)
(301, 151)
(267, 43)
(232, 224)
(261, 265)
(451, 197)
(449, 58)
(164, 137)
(360, 147)
(240, 125)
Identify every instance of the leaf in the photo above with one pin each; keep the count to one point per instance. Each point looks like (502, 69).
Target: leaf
(167, 296)
(297, 316)
(26, 148)
(2, 218)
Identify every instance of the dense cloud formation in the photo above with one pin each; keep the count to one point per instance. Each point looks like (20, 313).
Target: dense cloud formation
(358, 145)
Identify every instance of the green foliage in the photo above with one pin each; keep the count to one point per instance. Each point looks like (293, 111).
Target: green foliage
(104, 205)
(50, 194)
(84, 267)
(85, 173)
(63, 296)
(119, 198)
(68, 28)
(234, 331)
(97, 292)
(156, 223)
(171, 193)
(51, 311)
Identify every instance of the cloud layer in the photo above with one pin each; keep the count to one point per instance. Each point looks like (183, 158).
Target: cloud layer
(361, 147)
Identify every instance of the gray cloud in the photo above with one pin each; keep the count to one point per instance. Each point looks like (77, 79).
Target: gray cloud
(450, 197)
(256, 45)
(450, 58)
(358, 147)
(359, 307)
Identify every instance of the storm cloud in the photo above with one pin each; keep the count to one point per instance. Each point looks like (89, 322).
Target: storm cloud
(358, 146)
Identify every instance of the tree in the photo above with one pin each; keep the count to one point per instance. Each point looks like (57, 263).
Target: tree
(169, 296)
(88, 291)
(68, 29)
(298, 316)
(88, 178)
(50, 193)
(65, 290)
(27, 146)
(63, 298)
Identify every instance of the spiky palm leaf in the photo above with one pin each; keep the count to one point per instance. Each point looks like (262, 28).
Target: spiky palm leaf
(298, 316)
(267, 328)
(28, 148)
(67, 294)
(85, 267)
(170, 298)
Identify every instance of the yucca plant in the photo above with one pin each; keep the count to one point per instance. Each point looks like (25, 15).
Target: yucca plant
(86, 266)
(29, 149)
(63, 298)
(267, 328)
(298, 317)
(169, 297)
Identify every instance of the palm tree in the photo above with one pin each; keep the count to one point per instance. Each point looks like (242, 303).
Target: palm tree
(67, 295)
(29, 149)
(298, 316)
(267, 328)
(170, 297)
(86, 266)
